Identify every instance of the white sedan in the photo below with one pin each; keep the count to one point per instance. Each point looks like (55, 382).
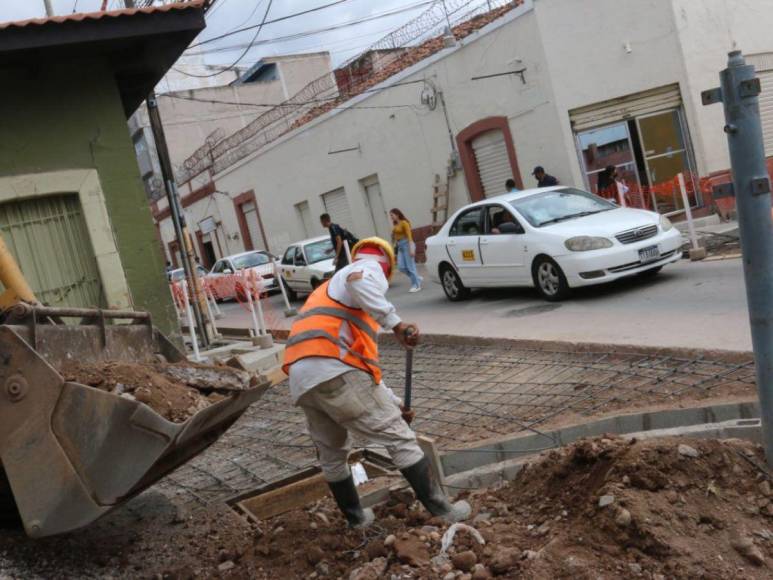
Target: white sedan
(307, 264)
(553, 238)
(226, 279)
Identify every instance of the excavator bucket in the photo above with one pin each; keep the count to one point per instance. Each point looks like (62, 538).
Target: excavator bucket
(69, 452)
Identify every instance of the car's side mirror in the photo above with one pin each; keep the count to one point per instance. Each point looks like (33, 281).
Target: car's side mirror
(509, 228)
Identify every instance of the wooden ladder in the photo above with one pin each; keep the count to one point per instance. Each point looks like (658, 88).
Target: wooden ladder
(439, 203)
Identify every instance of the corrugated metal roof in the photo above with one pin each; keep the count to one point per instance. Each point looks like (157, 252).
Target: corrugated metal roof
(84, 16)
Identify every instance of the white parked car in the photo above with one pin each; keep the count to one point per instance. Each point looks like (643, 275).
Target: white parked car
(307, 264)
(225, 277)
(178, 274)
(553, 238)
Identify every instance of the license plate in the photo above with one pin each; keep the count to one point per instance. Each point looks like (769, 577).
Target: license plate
(650, 254)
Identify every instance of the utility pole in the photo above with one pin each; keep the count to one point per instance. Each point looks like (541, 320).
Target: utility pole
(49, 8)
(739, 92)
(178, 219)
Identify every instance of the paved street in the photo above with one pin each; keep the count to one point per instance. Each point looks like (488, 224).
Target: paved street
(697, 305)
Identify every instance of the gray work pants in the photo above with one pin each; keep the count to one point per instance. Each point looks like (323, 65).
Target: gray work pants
(352, 403)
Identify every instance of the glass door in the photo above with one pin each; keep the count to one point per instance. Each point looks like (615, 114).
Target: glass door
(605, 146)
(665, 152)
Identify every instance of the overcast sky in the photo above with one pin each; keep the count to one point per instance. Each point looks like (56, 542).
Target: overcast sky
(227, 15)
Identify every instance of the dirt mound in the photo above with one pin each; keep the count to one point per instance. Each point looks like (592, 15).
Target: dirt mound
(175, 391)
(602, 508)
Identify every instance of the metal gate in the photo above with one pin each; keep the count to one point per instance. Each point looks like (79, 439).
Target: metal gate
(493, 162)
(337, 206)
(49, 238)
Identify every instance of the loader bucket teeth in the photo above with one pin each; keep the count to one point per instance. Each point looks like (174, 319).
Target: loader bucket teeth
(70, 453)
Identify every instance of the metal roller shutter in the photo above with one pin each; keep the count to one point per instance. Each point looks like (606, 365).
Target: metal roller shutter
(624, 108)
(493, 162)
(766, 109)
(304, 212)
(251, 216)
(50, 241)
(763, 63)
(337, 206)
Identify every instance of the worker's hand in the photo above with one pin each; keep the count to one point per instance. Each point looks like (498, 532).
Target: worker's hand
(407, 334)
(408, 415)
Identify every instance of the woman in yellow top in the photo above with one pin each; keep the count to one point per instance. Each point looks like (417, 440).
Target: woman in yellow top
(402, 238)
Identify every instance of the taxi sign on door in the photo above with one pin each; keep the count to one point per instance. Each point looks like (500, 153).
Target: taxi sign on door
(468, 255)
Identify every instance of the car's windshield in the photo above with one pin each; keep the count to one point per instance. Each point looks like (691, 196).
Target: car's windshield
(562, 204)
(249, 260)
(177, 275)
(319, 251)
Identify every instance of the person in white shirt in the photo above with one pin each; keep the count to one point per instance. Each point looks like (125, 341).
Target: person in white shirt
(332, 362)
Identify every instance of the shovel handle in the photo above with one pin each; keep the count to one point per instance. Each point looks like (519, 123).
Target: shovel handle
(408, 374)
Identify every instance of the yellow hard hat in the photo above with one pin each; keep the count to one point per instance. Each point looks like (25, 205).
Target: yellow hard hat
(378, 247)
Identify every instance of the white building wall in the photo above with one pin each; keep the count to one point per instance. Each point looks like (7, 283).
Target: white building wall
(708, 30)
(602, 50)
(574, 54)
(403, 142)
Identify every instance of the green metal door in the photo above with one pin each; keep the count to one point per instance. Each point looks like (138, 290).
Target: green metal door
(49, 238)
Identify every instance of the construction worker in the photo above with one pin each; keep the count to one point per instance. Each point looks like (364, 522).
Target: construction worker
(332, 360)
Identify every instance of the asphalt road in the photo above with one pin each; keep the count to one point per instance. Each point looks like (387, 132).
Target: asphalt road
(694, 305)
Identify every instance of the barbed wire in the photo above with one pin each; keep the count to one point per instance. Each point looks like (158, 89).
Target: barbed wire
(399, 49)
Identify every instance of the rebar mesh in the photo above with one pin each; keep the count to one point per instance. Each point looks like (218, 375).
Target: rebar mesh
(466, 394)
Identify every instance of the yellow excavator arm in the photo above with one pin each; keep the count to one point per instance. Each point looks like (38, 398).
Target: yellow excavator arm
(16, 287)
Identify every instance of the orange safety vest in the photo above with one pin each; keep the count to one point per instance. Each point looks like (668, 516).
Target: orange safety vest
(317, 333)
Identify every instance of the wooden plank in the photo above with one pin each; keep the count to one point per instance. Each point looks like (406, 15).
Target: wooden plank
(293, 496)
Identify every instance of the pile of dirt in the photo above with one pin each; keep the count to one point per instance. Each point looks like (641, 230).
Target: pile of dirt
(175, 391)
(602, 508)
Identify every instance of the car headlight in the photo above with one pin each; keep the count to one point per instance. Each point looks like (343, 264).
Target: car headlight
(587, 243)
(665, 223)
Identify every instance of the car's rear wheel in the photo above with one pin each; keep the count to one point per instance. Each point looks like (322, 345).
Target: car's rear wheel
(549, 279)
(452, 284)
(315, 283)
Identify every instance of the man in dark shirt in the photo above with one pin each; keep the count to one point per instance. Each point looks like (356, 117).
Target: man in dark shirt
(543, 179)
(338, 235)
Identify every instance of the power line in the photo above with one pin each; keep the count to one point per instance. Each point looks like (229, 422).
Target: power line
(242, 55)
(314, 32)
(280, 19)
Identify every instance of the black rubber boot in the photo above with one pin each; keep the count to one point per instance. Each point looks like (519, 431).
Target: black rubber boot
(348, 500)
(428, 492)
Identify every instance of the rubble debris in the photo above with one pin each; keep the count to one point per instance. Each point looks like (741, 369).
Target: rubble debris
(642, 534)
(175, 391)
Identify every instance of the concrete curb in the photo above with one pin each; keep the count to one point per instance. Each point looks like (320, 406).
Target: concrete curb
(503, 471)
(507, 450)
(729, 356)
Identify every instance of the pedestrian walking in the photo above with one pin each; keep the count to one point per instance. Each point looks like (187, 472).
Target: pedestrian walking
(605, 186)
(332, 361)
(402, 238)
(543, 179)
(338, 235)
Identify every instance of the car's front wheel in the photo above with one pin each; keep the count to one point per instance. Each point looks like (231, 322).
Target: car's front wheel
(549, 279)
(651, 273)
(452, 284)
(292, 295)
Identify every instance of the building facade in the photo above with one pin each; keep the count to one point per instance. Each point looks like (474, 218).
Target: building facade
(197, 112)
(571, 86)
(72, 208)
